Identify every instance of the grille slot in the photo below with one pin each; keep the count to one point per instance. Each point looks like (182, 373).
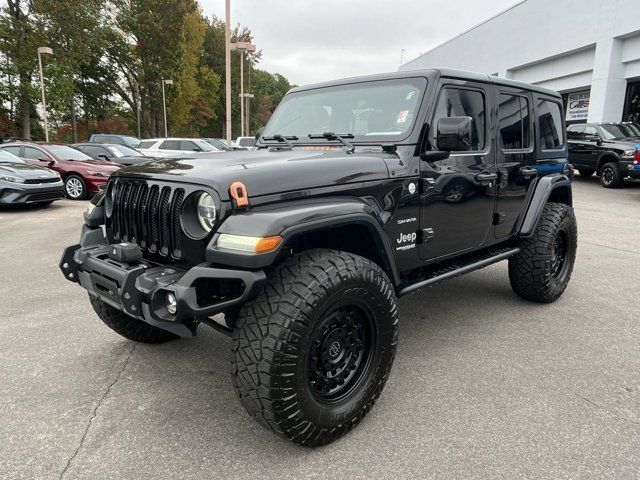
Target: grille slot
(148, 215)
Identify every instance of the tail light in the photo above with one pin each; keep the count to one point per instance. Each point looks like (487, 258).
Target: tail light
(636, 156)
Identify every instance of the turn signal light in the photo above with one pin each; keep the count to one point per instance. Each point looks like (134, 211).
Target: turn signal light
(248, 244)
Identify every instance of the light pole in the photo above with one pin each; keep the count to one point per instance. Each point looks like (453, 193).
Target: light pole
(242, 47)
(402, 50)
(48, 51)
(227, 66)
(164, 105)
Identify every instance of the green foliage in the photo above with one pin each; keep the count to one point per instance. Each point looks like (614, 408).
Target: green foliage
(109, 62)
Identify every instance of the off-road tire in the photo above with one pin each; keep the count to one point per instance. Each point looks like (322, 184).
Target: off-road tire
(586, 173)
(273, 344)
(532, 271)
(611, 176)
(127, 326)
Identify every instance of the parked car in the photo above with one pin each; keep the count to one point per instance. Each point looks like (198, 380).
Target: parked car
(82, 175)
(607, 149)
(171, 147)
(221, 144)
(305, 243)
(112, 152)
(22, 183)
(246, 142)
(127, 140)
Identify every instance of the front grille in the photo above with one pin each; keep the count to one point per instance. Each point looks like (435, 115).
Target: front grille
(147, 214)
(45, 196)
(32, 181)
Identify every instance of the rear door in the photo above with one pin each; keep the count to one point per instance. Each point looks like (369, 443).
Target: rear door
(516, 159)
(458, 203)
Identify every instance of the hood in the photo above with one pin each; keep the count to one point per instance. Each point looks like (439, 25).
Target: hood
(25, 171)
(103, 163)
(267, 171)
(627, 141)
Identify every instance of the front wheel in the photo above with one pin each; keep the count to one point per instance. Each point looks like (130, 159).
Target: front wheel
(541, 270)
(312, 353)
(75, 187)
(611, 176)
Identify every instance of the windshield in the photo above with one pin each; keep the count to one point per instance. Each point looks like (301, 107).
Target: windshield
(620, 130)
(382, 109)
(132, 142)
(67, 153)
(123, 150)
(6, 157)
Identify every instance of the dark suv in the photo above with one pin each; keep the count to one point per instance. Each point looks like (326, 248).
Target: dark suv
(359, 191)
(608, 149)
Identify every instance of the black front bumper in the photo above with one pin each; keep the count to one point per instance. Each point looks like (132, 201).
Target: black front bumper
(25, 193)
(140, 288)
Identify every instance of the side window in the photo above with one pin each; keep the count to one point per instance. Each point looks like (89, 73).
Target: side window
(591, 130)
(458, 102)
(147, 144)
(34, 154)
(188, 146)
(550, 125)
(100, 139)
(14, 150)
(513, 122)
(170, 145)
(94, 151)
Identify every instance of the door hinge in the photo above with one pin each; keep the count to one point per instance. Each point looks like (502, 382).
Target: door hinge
(499, 218)
(425, 235)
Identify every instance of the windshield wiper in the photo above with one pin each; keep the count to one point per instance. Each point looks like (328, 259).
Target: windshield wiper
(342, 137)
(281, 138)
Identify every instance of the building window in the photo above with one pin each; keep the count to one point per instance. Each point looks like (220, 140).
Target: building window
(513, 122)
(550, 125)
(457, 102)
(632, 103)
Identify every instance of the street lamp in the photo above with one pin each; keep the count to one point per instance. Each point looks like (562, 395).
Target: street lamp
(48, 51)
(164, 105)
(242, 47)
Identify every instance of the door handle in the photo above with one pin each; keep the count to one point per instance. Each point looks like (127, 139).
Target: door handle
(528, 172)
(486, 178)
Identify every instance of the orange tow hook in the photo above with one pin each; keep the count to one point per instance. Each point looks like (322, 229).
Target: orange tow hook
(238, 193)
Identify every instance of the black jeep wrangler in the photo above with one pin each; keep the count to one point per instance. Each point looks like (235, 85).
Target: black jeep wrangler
(360, 191)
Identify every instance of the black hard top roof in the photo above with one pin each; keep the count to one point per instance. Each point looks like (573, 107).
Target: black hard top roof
(433, 73)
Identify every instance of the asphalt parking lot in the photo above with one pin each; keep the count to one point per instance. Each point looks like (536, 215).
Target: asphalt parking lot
(485, 385)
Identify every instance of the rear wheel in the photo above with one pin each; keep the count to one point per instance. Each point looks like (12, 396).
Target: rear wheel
(610, 175)
(127, 326)
(542, 269)
(312, 353)
(585, 172)
(75, 187)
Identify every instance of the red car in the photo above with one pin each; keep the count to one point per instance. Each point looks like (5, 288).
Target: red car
(82, 175)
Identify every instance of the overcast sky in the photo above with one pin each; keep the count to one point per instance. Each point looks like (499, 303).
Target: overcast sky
(314, 40)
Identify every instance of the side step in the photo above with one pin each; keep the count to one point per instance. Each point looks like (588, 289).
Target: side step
(456, 270)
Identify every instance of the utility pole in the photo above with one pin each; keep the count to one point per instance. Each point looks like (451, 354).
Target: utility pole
(48, 51)
(227, 67)
(242, 47)
(164, 105)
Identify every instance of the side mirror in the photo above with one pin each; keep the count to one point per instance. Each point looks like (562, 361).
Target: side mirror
(454, 134)
(259, 133)
(47, 160)
(196, 149)
(102, 156)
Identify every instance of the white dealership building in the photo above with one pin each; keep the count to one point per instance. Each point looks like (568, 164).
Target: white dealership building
(588, 50)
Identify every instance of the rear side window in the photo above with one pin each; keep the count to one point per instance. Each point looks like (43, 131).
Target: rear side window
(575, 131)
(457, 102)
(247, 142)
(147, 143)
(100, 139)
(14, 150)
(513, 122)
(170, 145)
(550, 125)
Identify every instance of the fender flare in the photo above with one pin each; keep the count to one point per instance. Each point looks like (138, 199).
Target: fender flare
(542, 192)
(608, 153)
(293, 218)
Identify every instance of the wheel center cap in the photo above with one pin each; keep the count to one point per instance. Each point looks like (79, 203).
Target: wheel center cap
(334, 349)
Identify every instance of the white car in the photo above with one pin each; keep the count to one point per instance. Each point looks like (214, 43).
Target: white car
(246, 142)
(171, 147)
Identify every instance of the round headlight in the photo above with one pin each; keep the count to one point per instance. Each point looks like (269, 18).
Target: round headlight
(207, 211)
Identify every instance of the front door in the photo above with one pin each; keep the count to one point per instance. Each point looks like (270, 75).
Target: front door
(458, 200)
(517, 167)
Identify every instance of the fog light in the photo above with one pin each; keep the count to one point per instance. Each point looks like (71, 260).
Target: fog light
(172, 304)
